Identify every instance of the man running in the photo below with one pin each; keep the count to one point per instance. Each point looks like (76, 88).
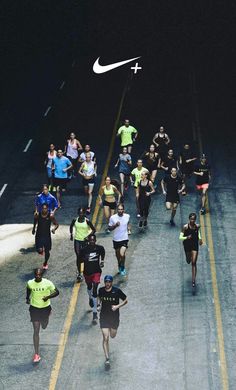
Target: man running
(93, 258)
(202, 171)
(186, 162)
(191, 237)
(120, 224)
(43, 240)
(39, 291)
(172, 186)
(135, 180)
(169, 162)
(126, 133)
(60, 166)
(83, 228)
(45, 197)
(109, 297)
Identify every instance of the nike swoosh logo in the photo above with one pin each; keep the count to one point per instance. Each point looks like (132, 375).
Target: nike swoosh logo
(97, 68)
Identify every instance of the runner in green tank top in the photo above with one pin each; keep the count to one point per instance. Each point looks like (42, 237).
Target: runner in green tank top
(83, 228)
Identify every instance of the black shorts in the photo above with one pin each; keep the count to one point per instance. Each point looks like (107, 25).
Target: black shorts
(86, 182)
(112, 205)
(172, 199)
(119, 244)
(43, 242)
(109, 322)
(39, 315)
(57, 182)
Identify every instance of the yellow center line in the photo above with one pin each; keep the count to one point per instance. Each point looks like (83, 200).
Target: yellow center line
(206, 228)
(75, 292)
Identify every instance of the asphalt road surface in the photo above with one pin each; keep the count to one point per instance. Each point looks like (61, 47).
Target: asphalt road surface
(167, 339)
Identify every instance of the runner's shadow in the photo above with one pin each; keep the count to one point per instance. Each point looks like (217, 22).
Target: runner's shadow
(24, 251)
(20, 368)
(67, 284)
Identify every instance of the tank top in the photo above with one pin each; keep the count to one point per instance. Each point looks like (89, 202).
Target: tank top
(72, 149)
(44, 224)
(193, 242)
(50, 157)
(143, 188)
(110, 191)
(88, 168)
(161, 140)
(82, 230)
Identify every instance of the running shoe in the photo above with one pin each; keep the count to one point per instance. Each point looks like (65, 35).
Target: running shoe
(45, 266)
(36, 358)
(138, 215)
(172, 222)
(119, 270)
(145, 223)
(107, 364)
(91, 304)
(123, 272)
(88, 211)
(140, 224)
(203, 210)
(95, 317)
(80, 278)
(193, 288)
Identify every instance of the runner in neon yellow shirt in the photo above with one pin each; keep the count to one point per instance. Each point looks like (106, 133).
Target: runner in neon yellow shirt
(39, 291)
(126, 133)
(136, 175)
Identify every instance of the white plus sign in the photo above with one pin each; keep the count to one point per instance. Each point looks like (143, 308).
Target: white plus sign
(136, 67)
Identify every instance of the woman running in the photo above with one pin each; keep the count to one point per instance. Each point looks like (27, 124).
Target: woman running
(52, 153)
(161, 140)
(191, 238)
(202, 171)
(152, 161)
(109, 203)
(88, 171)
(124, 163)
(144, 191)
(83, 229)
(72, 147)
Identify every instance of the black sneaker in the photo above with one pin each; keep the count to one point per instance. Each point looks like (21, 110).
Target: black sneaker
(145, 224)
(80, 278)
(107, 364)
(203, 210)
(91, 304)
(172, 222)
(95, 317)
(140, 224)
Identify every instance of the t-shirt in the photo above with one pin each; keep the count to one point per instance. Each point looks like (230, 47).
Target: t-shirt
(83, 157)
(204, 179)
(172, 185)
(91, 256)
(108, 299)
(120, 233)
(61, 163)
(49, 199)
(39, 290)
(137, 174)
(170, 163)
(124, 167)
(126, 134)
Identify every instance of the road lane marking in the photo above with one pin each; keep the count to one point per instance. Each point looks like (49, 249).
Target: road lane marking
(211, 254)
(27, 146)
(3, 189)
(75, 292)
(47, 111)
(62, 84)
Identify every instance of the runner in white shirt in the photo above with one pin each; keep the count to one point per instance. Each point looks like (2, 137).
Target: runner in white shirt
(120, 224)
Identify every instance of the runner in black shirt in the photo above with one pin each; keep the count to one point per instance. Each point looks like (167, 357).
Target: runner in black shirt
(186, 162)
(109, 297)
(169, 162)
(93, 258)
(202, 171)
(172, 186)
(191, 238)
(43, 241)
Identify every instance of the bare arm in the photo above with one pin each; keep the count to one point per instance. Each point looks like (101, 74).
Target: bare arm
(154, 139)
(55, 223)
(79, 145)
(81, 169)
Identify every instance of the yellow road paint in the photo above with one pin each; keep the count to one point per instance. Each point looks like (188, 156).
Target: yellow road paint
(220, 333)
(98, 214)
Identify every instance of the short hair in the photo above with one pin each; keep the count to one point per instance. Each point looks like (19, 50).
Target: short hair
(192, 215)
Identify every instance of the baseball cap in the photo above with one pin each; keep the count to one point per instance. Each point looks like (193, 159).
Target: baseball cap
(108, 278)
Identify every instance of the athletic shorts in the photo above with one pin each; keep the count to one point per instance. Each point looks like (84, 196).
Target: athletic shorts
(57, 182)
(119, 244)
(94, 278)
(109, 322)
(202, 186)
(170, 199)
(43, 242)
(86, 182)
(40, 315)
(112, 205)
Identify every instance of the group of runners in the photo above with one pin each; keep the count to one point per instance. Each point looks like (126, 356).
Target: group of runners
(90, 256)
